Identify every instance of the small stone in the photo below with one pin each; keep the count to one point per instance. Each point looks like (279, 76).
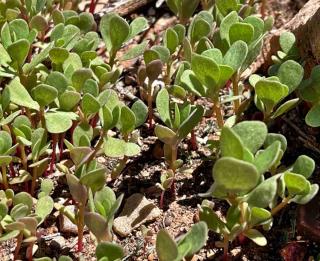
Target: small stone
(65, 224)
(167, 221)
(137, 211)
(58, 242)
(150, 257)
(151, 11)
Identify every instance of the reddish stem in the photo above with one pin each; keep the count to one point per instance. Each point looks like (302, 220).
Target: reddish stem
(92, 7)
(12, 172)
(173, 188)
(74, 125)
(162, 199)
(29, 252)
(80, 227)
(241, 239)
(53, 156)
(194, 145)
(94, 121)
(61, 145)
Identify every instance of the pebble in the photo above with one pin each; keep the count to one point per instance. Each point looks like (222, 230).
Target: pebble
(137, 211)
(58, 242)
(66, 226)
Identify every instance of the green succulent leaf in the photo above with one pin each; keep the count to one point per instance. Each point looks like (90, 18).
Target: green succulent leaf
(236, 55)
(193, 240)
(256, 237)
(166, 247)
(108, 250)
(235, 176)
(94, 179)
(137, 26)
(163, 106)
(19, 50)
(140, 111)
(304, 165)
(291, 74)
(44, 207)
(270, 92)
(295, 183)
(252, 134)
(191, 83)
(44, 94)
(166, 135)
(134, 52)
(267, 158)
(59, 121)
(90, 104)
(119, 148)
(241, 31)
(116, 37)
(77, 190)
(227, 6)
(285, 107)
(190, 122)
(206, 70)
(20, 96)
(231, 144)
(312, 117)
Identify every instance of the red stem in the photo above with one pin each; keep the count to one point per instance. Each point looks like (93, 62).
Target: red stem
(53, 156)
(162, 199)
(94, 121)
(61, 145)
(12, 172)
(194, 145)
(74, 125)
(92, 7)
(173, 188)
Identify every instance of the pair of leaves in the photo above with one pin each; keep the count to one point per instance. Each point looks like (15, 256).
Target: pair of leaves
(192, 242)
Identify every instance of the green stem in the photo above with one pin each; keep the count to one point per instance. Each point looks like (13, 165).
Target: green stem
(150, 109)
(168, 72)
(30, 117)
(43, 121)
(225, 247)
(34, 179)
(174, 152)
(280, 206)
(24, 159)
(96, 148)
(4, 176)
(112, 58)
(217, 112)
(235, 86)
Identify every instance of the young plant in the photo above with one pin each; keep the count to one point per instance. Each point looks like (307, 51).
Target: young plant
(288, 51)
(19, 221)
(177, 127)
(309, 92)
(151, 72)
(185, 247)
(122, 32)
(126, 121)
(184, 9)
(239, 177)
(103, 207)
(269, 92)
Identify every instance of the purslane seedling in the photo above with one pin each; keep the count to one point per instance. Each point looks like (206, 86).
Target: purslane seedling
(248, 153)
(185, 247)
(179, 121)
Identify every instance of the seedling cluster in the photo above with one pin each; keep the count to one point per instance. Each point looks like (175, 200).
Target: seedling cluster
(60, 112)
